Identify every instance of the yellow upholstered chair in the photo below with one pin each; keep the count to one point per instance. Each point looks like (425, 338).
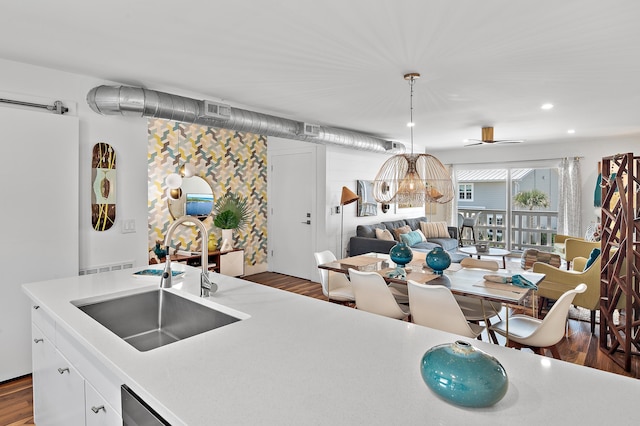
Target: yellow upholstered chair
(558, 281)
(571, 247)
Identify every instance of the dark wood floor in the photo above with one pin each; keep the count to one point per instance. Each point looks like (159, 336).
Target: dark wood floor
(16, 402)
(579, 347)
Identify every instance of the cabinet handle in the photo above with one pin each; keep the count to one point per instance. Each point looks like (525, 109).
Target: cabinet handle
(97, 409)
(36, 307)
(63, 370)
(38, 340)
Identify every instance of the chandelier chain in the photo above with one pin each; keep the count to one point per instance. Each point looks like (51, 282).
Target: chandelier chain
(411, 123)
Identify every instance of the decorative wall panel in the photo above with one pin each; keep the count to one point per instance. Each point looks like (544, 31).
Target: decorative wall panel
(229, 161)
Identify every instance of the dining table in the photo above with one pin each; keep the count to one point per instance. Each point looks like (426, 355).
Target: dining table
(461, 281)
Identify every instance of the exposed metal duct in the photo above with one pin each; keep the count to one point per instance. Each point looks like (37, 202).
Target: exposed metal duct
(136, 101)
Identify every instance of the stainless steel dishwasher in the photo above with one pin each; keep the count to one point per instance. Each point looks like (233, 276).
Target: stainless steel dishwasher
(135, 412)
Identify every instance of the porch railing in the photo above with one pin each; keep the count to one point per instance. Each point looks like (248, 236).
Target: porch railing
(524, 229)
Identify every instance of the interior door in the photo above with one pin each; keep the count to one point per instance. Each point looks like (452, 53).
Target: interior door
(291, 222)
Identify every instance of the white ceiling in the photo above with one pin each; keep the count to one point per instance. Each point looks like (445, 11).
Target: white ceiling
(340, 62)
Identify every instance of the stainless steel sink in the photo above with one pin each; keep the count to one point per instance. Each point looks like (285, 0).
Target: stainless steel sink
(156, 318)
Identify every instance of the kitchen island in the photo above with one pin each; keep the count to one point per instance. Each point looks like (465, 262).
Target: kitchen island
(294, 360)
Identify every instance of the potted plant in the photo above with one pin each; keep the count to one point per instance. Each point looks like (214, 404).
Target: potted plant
(230, 211)
(532, 199)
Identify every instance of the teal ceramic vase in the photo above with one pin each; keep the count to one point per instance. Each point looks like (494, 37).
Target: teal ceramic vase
(438, 260)
(401, 254)
(463, 375)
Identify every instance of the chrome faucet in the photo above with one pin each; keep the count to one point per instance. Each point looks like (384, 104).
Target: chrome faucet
(206, 286)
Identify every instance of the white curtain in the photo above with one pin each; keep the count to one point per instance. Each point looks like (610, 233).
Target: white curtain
(569, 214)
(451, 209)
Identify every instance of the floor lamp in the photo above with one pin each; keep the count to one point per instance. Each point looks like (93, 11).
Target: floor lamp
(348, 197)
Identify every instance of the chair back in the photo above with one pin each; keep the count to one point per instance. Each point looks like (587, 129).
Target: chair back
(531, 256)
(552, 328)
(577, 247)
(472, 221)
(373, 295)
(434, 306)
(324, 257)
(469, 262)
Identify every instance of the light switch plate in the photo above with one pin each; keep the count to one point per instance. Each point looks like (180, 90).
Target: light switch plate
(128, 226)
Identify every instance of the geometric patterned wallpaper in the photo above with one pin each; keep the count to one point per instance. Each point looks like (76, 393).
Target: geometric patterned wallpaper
(229, 161)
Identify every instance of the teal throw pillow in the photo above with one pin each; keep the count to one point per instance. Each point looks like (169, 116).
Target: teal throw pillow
(411, 238)
(592, 258)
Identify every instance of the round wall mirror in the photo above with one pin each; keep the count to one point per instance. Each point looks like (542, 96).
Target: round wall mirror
(196, 199)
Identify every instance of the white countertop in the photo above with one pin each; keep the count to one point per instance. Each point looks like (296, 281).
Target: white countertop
(301, 361)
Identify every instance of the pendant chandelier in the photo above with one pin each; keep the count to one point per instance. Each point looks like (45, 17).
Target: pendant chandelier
(413, 179)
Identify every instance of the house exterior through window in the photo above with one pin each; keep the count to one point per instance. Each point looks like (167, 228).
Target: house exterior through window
(465, 192)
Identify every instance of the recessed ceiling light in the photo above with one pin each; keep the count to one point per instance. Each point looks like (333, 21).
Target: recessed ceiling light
(411, 124)
(571, 131)
(546, 106)
(465, 140)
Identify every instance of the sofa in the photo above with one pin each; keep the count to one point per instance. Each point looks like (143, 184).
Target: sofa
(365, 240)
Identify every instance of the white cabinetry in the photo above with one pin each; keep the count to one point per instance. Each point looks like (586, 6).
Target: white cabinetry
(62, 393)
(98, 412)
(58, 387)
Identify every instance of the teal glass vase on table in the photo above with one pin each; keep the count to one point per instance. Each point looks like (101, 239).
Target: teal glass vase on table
(438, 260)
(400, 254)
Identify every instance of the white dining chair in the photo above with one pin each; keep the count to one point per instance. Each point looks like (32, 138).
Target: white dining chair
(475, 309)
(526, 331)
(434, 306)
(335, 286)
(373, 295)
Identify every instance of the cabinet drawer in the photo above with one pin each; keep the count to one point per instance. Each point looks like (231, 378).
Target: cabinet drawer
(44, 322)
(98, 412)
(93, 371)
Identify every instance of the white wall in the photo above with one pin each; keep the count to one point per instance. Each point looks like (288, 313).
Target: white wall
(344, 167)
(338, 167)
(127, 135)
(592, 151)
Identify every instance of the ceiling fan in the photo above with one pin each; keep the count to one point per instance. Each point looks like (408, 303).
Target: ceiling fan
(487, 137)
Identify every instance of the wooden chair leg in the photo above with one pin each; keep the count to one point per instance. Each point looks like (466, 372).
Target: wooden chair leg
(542, 301)
(554, 352)
(491, 333)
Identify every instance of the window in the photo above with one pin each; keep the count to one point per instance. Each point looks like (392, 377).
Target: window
(465, 192)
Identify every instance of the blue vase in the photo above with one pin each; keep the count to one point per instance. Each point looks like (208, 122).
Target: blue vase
(463, 375)
(159, 251)
(438, 260)
(401, 254)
